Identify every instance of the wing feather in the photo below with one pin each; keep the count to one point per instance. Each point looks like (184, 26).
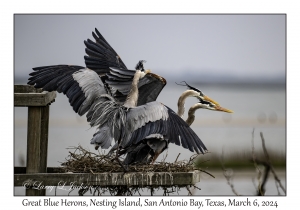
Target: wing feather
(172, 127)
(79, 84)
(101, 55)
(188, 137)
(140, 116)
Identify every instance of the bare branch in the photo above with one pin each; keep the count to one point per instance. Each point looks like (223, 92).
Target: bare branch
(255, 164)
(177, 157)
(269, 162)
(188, 189)
(165, 156)
(226, 175)
(207, 173)
(277, 187)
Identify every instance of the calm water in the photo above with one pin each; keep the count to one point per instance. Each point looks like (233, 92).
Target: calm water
(260, 108)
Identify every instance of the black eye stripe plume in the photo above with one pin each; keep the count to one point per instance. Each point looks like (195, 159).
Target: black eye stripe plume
(140, 65)
(205, 102)
(210, 104)
(190, 87)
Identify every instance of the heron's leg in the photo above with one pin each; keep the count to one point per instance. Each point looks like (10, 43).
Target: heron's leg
(122, 165)
(118, 160)
(155, 157)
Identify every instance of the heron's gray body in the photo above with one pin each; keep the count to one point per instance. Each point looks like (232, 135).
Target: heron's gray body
(120, 103)
(155, 144)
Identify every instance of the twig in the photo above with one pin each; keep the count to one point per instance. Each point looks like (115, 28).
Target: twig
(197, 187)
(207, 173)
(193, 157)
(177, 157)
(228, 177)
(188, 189)
(277, 187)
(261, 190)
(269, 162)
(165, 156)
(83, 161)
(255, 164)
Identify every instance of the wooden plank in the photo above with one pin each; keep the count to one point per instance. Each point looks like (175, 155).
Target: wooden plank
(34, 99)
(44, 139)
(22, 170)
(26, 89)
(33, 139)
(27, 95)
(38, 102)
(33, 144)
(141, 179)
(43, 144)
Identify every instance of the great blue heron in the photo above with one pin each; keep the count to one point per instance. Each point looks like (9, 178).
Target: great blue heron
(152, 146)
(102, 59)
(112, 101)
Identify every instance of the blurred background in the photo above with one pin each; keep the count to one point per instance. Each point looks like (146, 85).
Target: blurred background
(238, 60)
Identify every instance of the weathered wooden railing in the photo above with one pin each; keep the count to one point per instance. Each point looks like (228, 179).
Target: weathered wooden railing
(142, 179)
(38, 102)
(36, 170)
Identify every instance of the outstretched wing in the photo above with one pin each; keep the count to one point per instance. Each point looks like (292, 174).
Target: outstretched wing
(181, 133)
(100, 55)
(152, 118)
(97, 88)
(150, 87)
(87, 94)
(79, 84)
(119, 82)
(102, 58)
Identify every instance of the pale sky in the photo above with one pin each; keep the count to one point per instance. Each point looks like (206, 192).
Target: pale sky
(244, 46)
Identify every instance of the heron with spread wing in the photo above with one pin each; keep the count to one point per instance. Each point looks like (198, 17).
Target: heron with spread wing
(152, 146)
(118, 101)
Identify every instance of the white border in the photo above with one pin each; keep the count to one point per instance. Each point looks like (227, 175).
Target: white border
(9, 8)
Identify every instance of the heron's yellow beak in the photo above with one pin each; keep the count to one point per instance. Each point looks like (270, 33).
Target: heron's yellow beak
(206, 98)
(219, 108)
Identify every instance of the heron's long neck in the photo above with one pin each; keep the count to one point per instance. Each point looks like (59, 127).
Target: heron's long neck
(191, 114)
(132, 97)
(181, 101)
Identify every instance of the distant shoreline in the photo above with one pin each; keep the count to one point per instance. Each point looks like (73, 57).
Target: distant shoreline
(211, 83)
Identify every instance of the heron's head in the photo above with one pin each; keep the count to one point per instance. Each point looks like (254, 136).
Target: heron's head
(140, 65)
(198, 93)
(211, 106)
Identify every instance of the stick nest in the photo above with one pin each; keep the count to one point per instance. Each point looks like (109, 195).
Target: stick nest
(80, 160)
(83, 161)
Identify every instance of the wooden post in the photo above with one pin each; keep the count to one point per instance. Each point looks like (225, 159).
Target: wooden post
(37, 128)
(44, 139)
(34, 145)
(44, 143)
(33, 139)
